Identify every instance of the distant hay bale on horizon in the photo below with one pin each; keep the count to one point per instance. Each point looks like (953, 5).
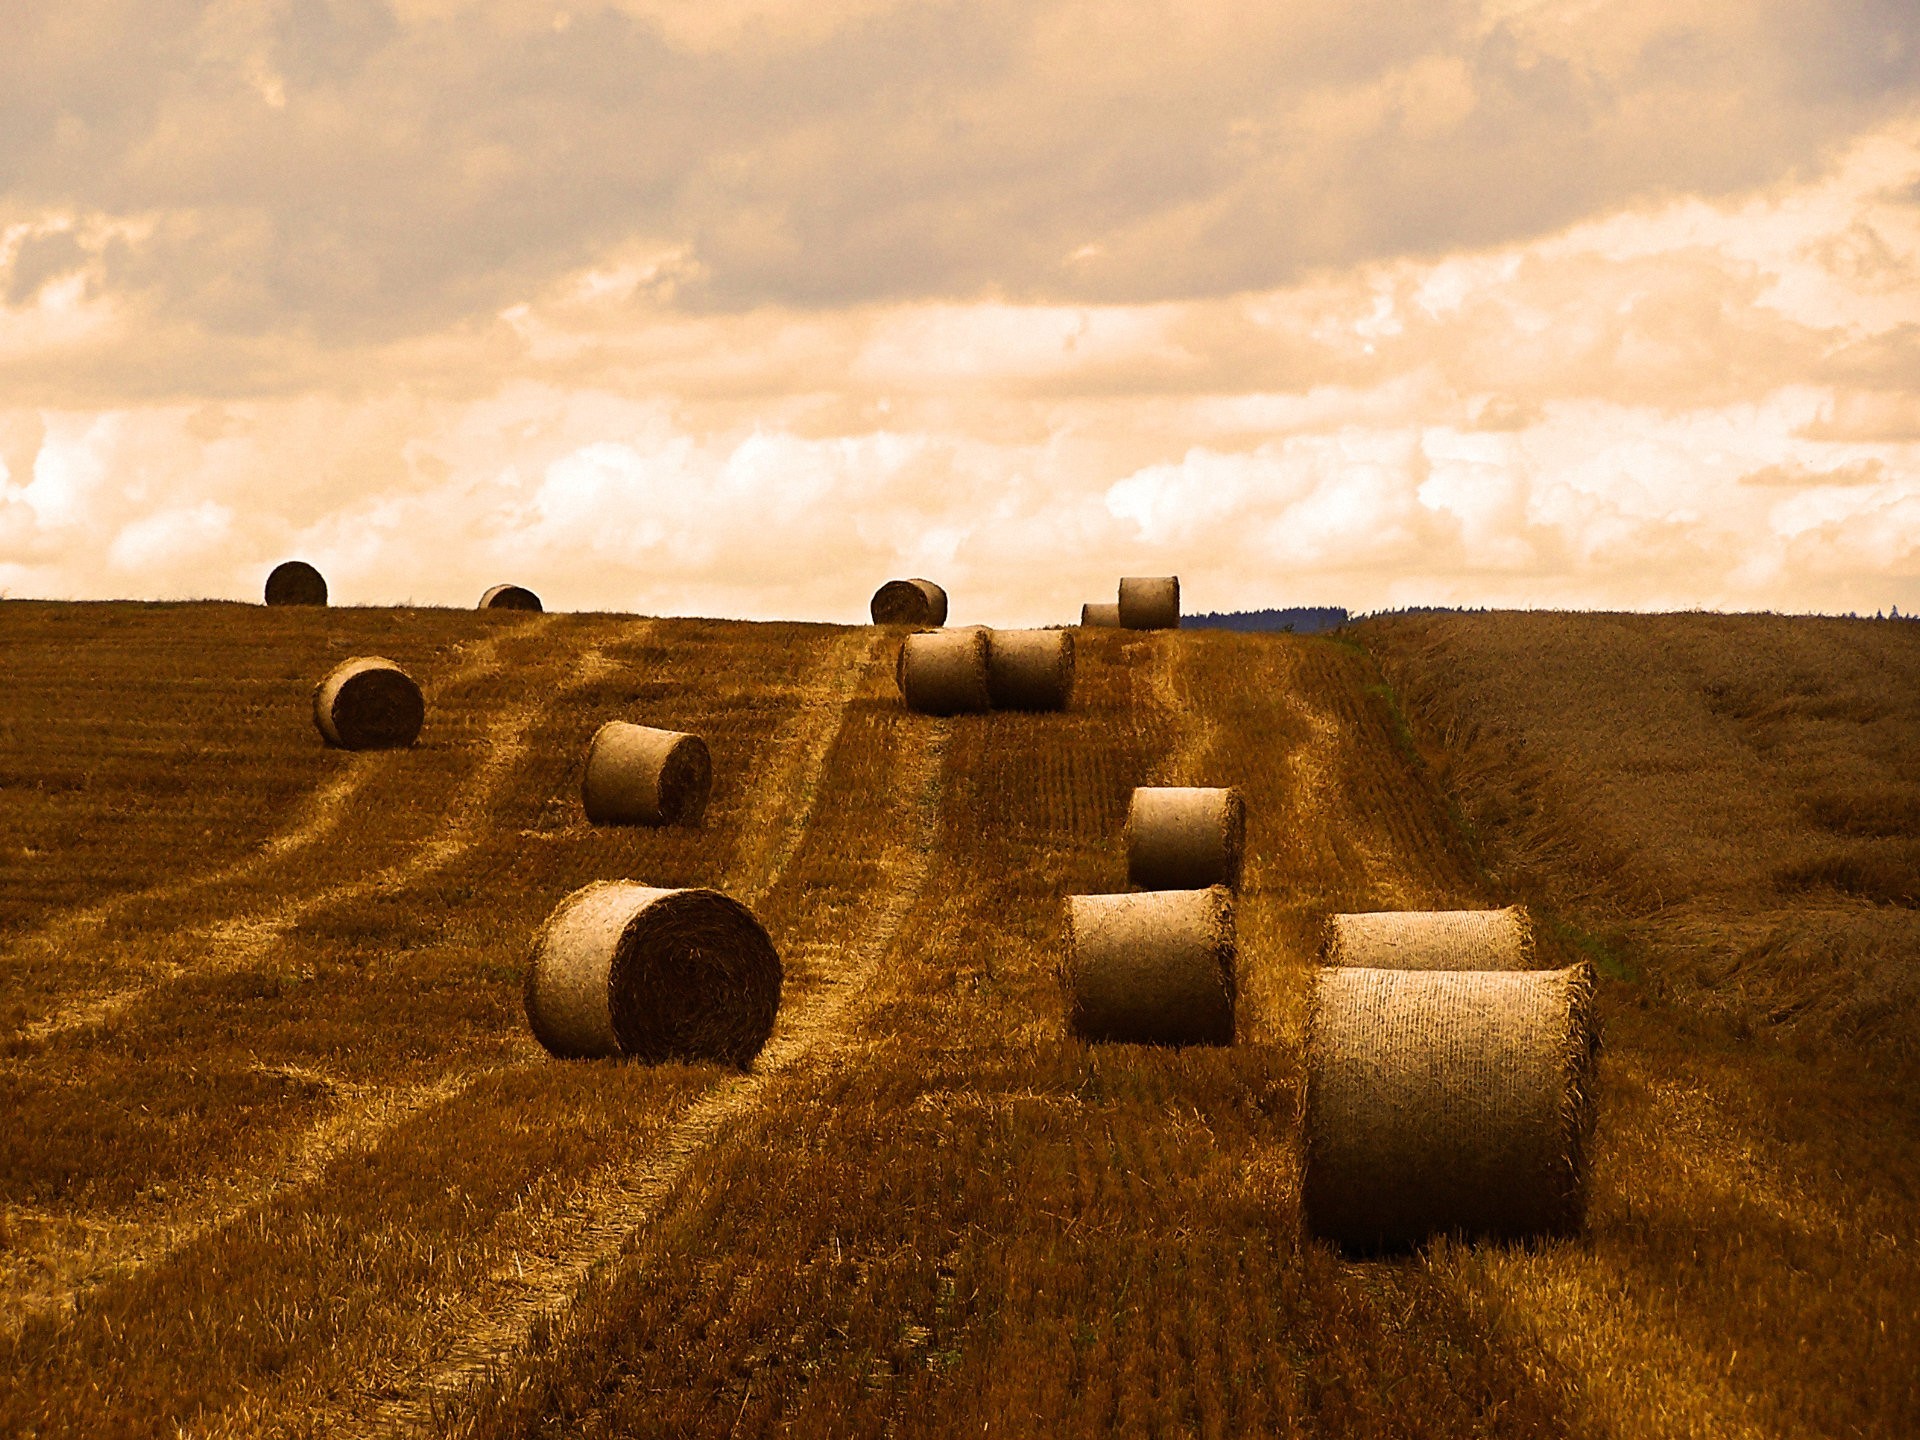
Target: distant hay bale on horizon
(510, 597)
(621, 968)
(1030, 669)
(1432, 940)
(1150, 602)
(1447, 1102)
(1157, 968)
(1096, 614)
(909, 602)
(1185, 837)
(368, 703)
(944, 672)
(295, 582)
(637, 775)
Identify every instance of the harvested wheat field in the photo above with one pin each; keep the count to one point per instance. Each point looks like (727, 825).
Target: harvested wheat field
(286, 1159)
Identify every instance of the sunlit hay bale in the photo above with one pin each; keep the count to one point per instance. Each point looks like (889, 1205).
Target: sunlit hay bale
(1095, 615)
(295, 582)
(1184, 837)
(1156, 968)
(625, 969)
(910, 602)
(510, 597)
(1030, 669)
(1432, 940)
(1447, 1102)
(1150, 602)
(944, 672)
(636, 775)
(368, 703)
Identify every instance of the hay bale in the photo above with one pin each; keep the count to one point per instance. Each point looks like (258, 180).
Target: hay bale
(1030, 669)
(295, 582)
(944, 672)
(1094, 615)
(1155, 969)
(625, 969)
(1183, 837)
(909, 602)
(1432, 940)
(1447, 1102)
(637, 775)
(510, 597)
(368, 703)
(1150, 602)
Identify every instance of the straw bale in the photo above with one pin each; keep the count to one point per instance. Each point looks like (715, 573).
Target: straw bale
(637, 775)
(1150, 602)
(625, 969)
(1447, 1102)
(295, 582)
(1095, 615)
(1432, 940)
(1182, 837)
(1155, 968)
(368, 703)
(1030, 669)
(510, 597)
(944, 672)
(909, 602)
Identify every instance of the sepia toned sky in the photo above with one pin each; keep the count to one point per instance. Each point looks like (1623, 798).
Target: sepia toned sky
(740, 307)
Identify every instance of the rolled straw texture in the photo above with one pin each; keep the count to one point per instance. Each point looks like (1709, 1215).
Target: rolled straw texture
(909, 602)
(1432, 940)
(1030, 669)
(1184, 837)
(1150, 602)
(944, 672)
(625, 969)
(510, 597)
(294, 582)
(1447, 1102)
(368, 703)
(637, 775)
(1095, 615)
(1154, 969)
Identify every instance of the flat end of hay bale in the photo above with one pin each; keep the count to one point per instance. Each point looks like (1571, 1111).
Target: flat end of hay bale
(1150, 602)
(638, 775)
(1431, 940)
(510, 597)
(945, 672)
(909, 602)
(1157, 968)
(1182, 837)
(368, 703)
(295, 582)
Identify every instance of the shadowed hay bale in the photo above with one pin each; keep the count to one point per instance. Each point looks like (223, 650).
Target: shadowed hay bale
(636, 775)
(368, 703)
(625, 969)
(294, 582)
(1183, 837)
(1150, 602)
(1447, 1102)
(1030, 669)
(1155, 968)
(510, 597)
(909, 602)
(944, 672)
(1095, 615)
(1432, 940)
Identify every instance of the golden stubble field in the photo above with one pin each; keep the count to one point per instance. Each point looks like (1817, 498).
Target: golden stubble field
(283, 1160)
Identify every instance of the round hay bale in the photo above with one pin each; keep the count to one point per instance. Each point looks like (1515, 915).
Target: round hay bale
(510, 597)
(1155, 969)
(909, 602)
(636, 775)
(625, 969)
(1432, 940)
(944, 672)
(1447, 1102)
(368, 703)
(1182, 837)
(295, 582)
(1150, 602)
(1095, 615)
(1030, 669)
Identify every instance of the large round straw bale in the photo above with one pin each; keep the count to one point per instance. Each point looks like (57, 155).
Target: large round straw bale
(368, 703)
(1155, 968)
(510, 597)
(636, 775)
(909, 602)
(944, 672)
(295, 582)
(1150, 602)
(1030, 669)
(1447, 1102)
(1432, 940)
(1181, 837)
(625, 969)
(1095, 615)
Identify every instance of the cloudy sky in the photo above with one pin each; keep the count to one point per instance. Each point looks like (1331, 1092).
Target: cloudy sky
(740, 307)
